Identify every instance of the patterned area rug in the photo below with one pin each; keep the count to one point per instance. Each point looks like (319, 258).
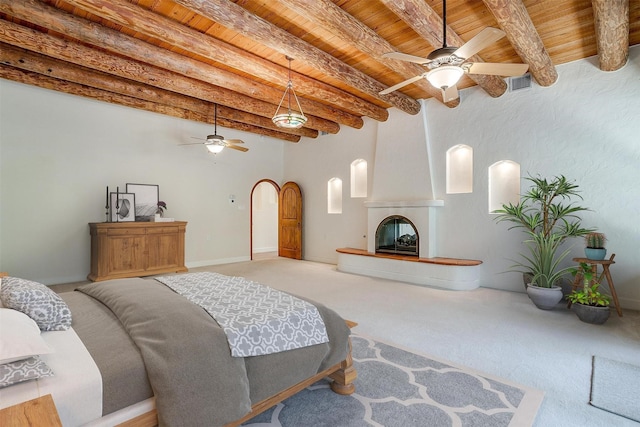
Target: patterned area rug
(396, 387)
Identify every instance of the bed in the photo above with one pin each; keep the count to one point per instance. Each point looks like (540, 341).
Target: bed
(139, 352)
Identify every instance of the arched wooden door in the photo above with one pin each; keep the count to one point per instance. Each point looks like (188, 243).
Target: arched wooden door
(290, 221)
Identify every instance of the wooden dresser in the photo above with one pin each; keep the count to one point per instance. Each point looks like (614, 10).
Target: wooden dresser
(134, 249)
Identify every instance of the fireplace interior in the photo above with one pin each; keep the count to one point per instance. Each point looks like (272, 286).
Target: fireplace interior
(397, 235)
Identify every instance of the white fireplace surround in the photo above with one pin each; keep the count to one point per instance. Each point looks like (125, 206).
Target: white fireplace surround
(422, 213)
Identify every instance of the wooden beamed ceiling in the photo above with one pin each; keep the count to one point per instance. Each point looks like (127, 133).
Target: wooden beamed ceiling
(182, 57)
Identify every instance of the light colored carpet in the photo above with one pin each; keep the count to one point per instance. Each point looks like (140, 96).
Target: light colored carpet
(399, 388)
(615, 387)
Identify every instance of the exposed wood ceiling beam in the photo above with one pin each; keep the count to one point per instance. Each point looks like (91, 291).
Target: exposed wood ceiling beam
(176, 34)
(612, 32)
(513, 18)
(239, 19)
(34, 79)
(331, 17)
(426, 22)
(79, 54)
(44, 65)
(116, 42)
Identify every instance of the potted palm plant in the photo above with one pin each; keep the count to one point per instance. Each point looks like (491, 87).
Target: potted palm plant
(590, 305)
(548, 215)
(595, 249)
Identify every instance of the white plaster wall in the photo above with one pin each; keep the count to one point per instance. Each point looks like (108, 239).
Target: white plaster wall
(585, 127)
(312, 163)
(58, 152)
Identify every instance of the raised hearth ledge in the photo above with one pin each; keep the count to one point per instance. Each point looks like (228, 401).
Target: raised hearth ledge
(445, 273)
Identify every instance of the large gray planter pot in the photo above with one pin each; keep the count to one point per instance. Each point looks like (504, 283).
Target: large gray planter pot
(592, 314)
(545, 298)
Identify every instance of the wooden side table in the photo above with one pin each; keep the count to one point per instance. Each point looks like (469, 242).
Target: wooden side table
(605, 263)
(32, 413)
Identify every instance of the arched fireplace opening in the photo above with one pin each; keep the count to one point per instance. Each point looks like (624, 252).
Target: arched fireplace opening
(397, 235)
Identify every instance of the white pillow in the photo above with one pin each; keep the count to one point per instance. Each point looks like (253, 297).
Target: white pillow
(19, 337)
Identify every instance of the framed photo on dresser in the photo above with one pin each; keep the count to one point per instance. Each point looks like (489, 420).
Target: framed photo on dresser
(122, 207)
(147, 196)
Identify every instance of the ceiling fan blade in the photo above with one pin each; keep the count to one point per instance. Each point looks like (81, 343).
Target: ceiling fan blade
(236, 147)
(402, 84)
(234, 141)
(195, 143)
(481, 40)
(496, 69)
(406, 57)
(450, 93)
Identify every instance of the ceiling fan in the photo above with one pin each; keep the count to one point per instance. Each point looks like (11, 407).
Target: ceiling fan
(216, 143)
(448, 64)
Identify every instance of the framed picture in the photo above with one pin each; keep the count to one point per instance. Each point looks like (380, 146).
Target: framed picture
(147, 196)
(122, 207)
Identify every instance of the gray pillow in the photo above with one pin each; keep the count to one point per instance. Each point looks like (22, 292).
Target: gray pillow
(37, 301)
(23, 370)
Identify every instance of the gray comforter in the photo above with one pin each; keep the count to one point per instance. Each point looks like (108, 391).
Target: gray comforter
(186, 355)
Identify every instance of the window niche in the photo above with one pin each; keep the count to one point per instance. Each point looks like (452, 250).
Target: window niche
(334, 196)
(359, 178)
(459, 169)
(504, 184)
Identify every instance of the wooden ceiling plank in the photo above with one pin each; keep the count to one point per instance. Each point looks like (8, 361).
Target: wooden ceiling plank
(116, 42)
(513, 18)
(79, 54)
(326, 14)
(239, 19)
(41, 64)
(428, 24)
(35, 79)
(173, 33)
(612, 32)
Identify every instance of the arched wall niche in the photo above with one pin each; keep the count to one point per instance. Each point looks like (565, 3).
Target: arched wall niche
(334, 196)
(504, 184)
(459, 169)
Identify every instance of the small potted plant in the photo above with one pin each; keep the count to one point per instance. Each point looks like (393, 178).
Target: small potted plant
(589, 303)
(595, 249)
(161, 206)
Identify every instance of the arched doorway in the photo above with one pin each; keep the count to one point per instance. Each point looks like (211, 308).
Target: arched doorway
(264, 219)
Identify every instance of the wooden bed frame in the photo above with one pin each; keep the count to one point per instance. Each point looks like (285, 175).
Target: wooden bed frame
(343, 374)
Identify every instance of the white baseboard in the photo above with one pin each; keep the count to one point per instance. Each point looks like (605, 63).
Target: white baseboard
(205, 263)
(263, 250)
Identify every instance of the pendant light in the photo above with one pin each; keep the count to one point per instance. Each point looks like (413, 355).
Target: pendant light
(290, 119)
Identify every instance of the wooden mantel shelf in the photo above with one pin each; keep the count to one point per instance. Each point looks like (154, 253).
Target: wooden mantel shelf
(436, 260)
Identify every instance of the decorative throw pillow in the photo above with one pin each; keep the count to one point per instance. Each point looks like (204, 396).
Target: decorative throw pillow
(37, 301)
(19, 337)
(23, 370)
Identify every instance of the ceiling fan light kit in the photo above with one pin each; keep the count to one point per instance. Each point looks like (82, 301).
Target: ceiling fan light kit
(214, 146)
(447, 64)
(445, 76)
(290, 119)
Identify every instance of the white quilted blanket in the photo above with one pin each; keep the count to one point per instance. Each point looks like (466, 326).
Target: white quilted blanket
(257, 319)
